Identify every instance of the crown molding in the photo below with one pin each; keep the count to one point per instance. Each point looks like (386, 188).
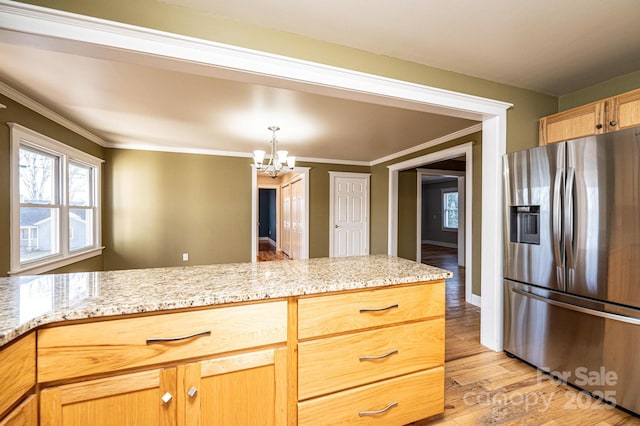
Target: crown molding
(36, 106)
(446, 138)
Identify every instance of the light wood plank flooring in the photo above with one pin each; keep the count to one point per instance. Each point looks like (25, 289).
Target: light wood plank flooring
(483, 387)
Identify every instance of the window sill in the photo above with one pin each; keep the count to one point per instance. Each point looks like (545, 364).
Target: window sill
(450, 229)
(57, 263)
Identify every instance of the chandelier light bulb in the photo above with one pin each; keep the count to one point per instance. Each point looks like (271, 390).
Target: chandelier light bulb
(258, 157)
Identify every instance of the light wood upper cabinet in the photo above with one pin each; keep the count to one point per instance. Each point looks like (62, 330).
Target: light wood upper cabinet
(624, 111)
(607, 115)
(586, 120)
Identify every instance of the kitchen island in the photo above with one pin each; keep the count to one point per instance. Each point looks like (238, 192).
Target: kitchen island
(295, 339)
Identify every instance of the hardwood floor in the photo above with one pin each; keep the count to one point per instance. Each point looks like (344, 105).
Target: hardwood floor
(267, 252)
(483, 387)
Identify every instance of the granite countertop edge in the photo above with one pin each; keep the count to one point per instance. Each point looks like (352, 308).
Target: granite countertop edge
(213, 297)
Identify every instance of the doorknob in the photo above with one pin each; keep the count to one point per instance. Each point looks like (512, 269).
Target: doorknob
(336, 226)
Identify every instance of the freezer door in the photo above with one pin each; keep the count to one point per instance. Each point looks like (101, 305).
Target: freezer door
(533, 186)
(603, 233)
(576, 338)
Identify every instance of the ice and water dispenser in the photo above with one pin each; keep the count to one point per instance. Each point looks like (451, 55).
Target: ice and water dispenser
(525, 224)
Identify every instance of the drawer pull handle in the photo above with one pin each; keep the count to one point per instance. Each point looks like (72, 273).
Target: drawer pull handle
(385, 308)
(376, 412)
(166, 397)
(374, 357)
(192, 392)
(176, 339)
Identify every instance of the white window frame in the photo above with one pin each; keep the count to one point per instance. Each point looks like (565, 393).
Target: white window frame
(443, 192)
(22, 136)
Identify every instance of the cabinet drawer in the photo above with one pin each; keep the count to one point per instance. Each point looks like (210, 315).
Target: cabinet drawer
(338, 313)
(17, 370)
(335, 363)
(99, 347)
(418, 395)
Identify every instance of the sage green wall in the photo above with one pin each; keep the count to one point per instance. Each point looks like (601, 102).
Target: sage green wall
(407, 210)
(160, 205)
(407, 205)
(606, 89)
(17, 113)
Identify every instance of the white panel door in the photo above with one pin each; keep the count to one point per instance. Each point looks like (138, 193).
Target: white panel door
(286, 220)
(350, 227)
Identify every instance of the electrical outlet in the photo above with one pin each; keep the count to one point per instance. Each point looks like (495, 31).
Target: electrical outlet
(185, 257)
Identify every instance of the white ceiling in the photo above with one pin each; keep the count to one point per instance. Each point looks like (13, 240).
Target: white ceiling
(550, 46)
(134, 101)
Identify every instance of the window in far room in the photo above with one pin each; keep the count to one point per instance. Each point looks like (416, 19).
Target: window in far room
(55, 203)
(450, 209)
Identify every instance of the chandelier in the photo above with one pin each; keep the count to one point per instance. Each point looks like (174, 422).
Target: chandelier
(279, 161)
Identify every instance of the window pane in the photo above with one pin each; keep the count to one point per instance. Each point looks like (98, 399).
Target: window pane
(37, 177)
(38, 233)
(451, 219)
(80, 228)
(451, 199)
(79, 185)
(450, 209)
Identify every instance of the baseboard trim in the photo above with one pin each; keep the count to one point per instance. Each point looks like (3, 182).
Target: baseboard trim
(267, 240)
(475, 300)
(440, 243)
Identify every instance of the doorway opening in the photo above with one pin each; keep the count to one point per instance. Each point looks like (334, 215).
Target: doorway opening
(280, 215)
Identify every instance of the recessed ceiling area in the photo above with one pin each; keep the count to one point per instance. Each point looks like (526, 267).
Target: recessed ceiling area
(134, 101)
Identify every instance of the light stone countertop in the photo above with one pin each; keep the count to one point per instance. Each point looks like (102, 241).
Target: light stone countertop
(27, 302)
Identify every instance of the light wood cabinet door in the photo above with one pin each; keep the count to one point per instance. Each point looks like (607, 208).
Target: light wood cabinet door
(243, 389)
(575, 123)
(17, 371)
(137, 399)
(623, 111)
(25, 414)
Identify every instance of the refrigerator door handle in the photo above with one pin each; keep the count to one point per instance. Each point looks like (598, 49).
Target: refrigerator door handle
(557, 208)
(607, 315)
(568, 217)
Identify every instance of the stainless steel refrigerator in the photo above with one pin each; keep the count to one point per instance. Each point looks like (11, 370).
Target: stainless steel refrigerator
(572, 262)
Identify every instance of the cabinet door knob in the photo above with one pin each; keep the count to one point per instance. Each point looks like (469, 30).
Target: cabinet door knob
(612, 123)
(192, 392)
(598, 126)
(166, 397)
